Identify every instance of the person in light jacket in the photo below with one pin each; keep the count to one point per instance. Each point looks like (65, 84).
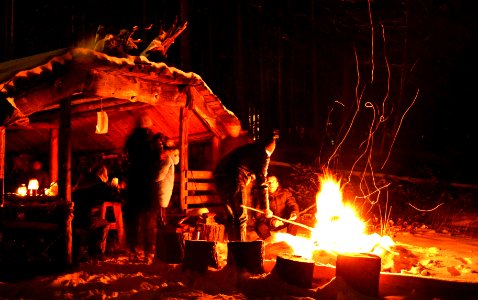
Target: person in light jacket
(165, 178)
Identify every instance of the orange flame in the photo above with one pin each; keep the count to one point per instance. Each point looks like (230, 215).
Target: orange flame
(338, 228)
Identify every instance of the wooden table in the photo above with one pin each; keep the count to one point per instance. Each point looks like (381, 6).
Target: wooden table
(42, 209)
(33, 230)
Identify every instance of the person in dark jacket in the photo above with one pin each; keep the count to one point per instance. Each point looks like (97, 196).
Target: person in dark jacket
(140, 206)
(283, 205)
(234, 175)
(90, 229)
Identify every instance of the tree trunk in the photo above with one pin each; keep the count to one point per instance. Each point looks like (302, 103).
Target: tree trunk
(185, 50)
(239, 65)
(2, 166)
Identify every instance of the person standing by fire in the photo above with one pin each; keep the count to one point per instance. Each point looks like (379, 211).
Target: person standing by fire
(234, 175)
(164, 186)
(283, 205)
(139, 212)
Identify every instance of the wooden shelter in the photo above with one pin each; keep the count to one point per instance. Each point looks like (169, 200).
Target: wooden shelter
(49, 104)
(71, 85)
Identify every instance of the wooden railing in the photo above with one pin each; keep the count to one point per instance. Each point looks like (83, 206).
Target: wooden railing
(201, 190)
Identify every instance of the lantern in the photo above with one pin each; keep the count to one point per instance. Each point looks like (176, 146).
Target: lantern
(33, 186)
(22, 190)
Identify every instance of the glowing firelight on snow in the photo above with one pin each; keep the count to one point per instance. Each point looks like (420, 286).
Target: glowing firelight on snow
(338, 229)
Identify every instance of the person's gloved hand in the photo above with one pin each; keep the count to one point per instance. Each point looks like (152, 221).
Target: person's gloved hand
(293, 216)
(268, 213)
(277, 223)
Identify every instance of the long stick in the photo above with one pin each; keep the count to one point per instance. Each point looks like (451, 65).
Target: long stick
(279, 218)
(307, 209)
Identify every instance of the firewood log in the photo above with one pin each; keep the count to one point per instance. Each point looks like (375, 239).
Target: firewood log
(295, 270)
(211, 232)
(248, 255)
(169, 245)
(199, 255)
(361, 271)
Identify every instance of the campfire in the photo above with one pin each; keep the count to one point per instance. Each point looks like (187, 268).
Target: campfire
(338, 229)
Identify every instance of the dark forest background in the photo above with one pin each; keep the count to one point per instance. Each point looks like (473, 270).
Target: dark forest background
(305, 67)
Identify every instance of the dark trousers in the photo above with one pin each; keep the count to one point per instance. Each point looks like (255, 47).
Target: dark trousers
(92, 238)
(141, 230)
(233, 194)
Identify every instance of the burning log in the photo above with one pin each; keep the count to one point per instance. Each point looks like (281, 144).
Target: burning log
(361, 271)
(295, 270)
(199, 255)
(248, 255)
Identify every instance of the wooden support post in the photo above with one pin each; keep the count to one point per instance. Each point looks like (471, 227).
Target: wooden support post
(64, 160)
(54, 155)
(295, 270)
(361, 271)
(215, 151)
(248, 255)
(183, 162)
(199, 255)
(2, 165)
(64, 150)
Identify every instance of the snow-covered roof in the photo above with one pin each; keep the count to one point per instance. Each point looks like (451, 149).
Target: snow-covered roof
(32, 89)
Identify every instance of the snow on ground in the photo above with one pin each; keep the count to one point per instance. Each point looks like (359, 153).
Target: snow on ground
(429, 265)
(439, 255)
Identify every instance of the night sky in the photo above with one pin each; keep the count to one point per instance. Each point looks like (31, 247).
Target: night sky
(290, 60)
